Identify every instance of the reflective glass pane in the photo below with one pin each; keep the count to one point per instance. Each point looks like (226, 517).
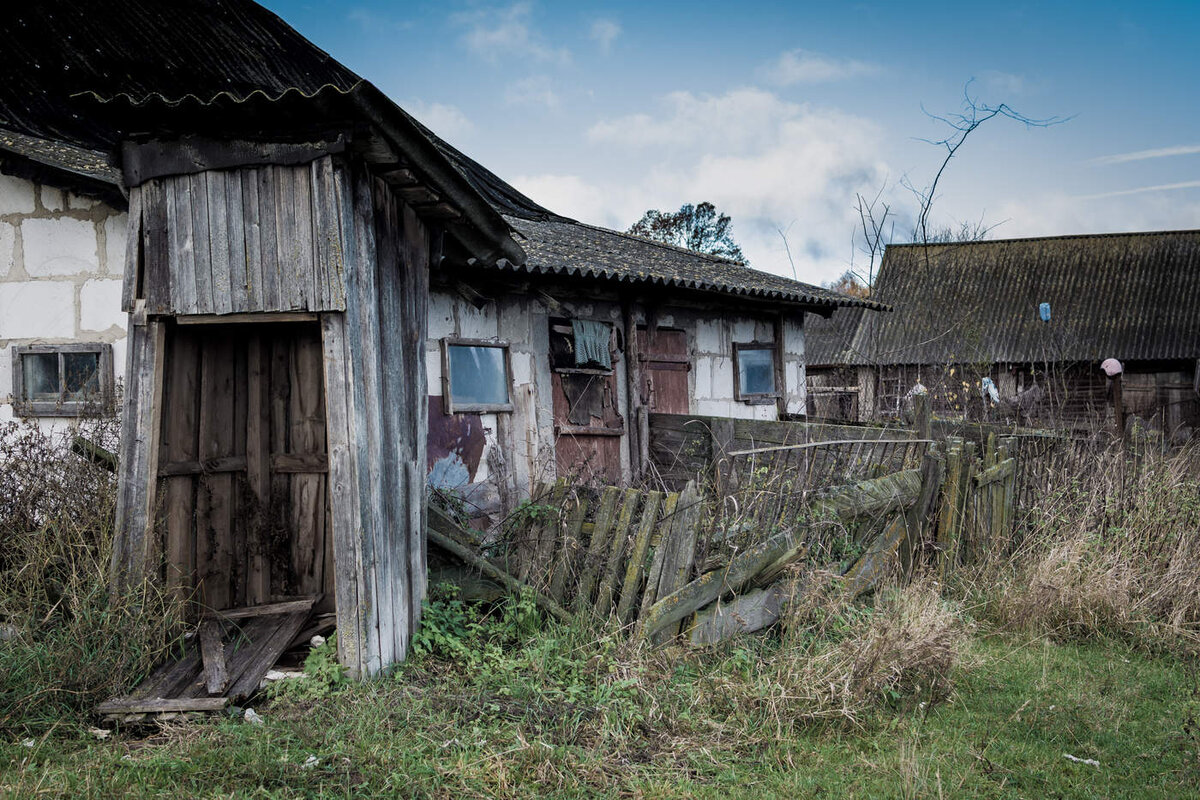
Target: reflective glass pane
(81, 374)
(757, 371)
(477, 375)
(39, 371)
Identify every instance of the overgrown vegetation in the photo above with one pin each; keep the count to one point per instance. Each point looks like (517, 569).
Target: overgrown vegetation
(67, 644)
(1108, 552)
(1066, 644)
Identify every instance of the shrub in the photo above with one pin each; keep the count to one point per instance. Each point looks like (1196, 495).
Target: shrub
(69, 642)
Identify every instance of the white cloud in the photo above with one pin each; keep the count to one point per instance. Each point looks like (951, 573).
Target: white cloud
(505, 31)
(805, 66)
(1056, 214)
(536, 90)
(766, 162)
(1162, 187)
(447, 121)
(1003, 83)
(605, 32)
(374, 22)
(1142, 155)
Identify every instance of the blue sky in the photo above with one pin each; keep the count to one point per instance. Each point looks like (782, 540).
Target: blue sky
(781, 113)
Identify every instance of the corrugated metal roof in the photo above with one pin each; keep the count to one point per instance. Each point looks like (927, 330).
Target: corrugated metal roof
(1131, 296)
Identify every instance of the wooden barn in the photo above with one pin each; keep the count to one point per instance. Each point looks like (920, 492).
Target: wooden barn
(318, 308)
(282, 218)
(1035, 318)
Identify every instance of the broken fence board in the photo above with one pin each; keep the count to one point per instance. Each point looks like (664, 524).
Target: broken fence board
(212, 651)
(620, 541)
(597, 547)
(635, 569)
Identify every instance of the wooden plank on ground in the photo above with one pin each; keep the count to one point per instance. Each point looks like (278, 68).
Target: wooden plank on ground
(282, 607)
(278, 637)
(161, 705)
(212, 651)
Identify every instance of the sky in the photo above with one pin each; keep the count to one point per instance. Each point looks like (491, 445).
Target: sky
(782, 114)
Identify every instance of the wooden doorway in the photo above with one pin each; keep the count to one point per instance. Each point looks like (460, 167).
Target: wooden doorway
(665, 365)
(243, 464)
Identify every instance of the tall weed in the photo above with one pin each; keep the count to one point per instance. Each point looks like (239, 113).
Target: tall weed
(67, 642)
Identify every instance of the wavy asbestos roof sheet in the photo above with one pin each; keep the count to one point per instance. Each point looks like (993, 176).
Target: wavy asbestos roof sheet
(59, 52)
(561, 246)
(1131, 296)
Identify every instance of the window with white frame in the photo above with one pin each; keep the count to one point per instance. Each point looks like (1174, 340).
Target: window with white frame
(754, 373)
(63, 380)
(476, 375)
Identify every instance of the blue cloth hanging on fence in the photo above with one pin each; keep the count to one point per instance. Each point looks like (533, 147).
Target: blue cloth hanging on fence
(591, 343)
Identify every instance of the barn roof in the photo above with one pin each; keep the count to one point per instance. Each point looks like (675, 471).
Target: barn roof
(1130, 296)
(81, 76)
(558, 245)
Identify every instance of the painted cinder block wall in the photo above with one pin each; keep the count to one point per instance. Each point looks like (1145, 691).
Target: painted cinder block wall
(525, 436)
(61, 261)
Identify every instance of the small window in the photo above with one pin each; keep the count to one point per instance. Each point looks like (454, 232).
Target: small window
(476, 375)
(68, 380)
(754, 365)
(581, 346)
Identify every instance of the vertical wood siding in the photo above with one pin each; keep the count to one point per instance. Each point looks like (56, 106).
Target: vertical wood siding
(242, 240)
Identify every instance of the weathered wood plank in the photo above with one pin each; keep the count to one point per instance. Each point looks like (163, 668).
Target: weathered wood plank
(495, 573)
(156, 248)
(305, 262)
(343, 493)
(258, 477)
(212, 651)
(268, 239)
(202, 246)
(568, 547)
(662, 533)
(597, 547)
(182, 254)
(635, 569)
(267, 609)
(215, 502)
(132, 264)
(744, 613)
(273, 645)
(218, 242)
(415, 268)
(306, 416)
(622, 534)
(161, 705)
(135, 547)
(182, 411)
(252, 228)
(235, 227)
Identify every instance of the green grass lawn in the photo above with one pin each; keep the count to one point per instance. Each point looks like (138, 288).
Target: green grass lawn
(1016, 709)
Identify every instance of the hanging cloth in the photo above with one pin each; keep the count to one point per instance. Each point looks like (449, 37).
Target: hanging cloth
(591, 343)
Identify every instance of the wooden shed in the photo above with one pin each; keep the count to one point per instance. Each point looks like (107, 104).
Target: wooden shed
(283, 219)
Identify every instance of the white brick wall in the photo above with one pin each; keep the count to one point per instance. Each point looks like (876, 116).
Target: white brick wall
(61, 261)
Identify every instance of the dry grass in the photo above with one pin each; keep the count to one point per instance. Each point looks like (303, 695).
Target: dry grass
(1114, 551)
(67, 642)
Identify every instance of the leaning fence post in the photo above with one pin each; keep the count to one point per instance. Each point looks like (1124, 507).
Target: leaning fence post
(948, 517)
(922, 416)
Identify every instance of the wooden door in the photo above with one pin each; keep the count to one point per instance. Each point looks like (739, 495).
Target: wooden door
(587, 426)
(665, 365)
(244, 464)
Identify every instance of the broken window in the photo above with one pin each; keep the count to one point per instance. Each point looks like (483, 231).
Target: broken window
(63, 380)
(476, 375)
(754, 365)
(579, 345)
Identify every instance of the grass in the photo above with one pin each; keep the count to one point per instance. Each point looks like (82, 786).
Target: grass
(1019, 706)
(1080, 640)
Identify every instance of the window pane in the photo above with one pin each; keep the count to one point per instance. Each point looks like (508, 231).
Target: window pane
(477, 375)
(81, 375)
(40, 376)
(757, 368)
